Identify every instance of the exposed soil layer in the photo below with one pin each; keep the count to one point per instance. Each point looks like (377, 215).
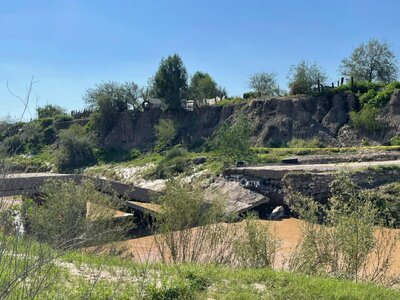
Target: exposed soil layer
(276, 122)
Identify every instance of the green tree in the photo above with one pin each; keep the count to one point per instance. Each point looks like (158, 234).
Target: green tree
(170, 81)
(202, 86)
(371, 61)
(108, 100)
(231, 142)
(304, 77)
(75, 150)
(264, 84)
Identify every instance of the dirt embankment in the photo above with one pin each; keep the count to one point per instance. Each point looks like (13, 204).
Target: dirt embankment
(276, 121)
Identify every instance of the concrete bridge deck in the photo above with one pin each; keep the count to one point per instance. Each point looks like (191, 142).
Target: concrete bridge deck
(277, 172)
(30, 183)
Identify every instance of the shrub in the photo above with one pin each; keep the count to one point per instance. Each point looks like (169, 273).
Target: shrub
(350, 238)
(62, 121)
(300, 143)
(49, 135)
(383, 96)
(50, 111)
(395, 141)
(365, 119)
(186, 225)
(231, 142)
(75, 150)
(73, 215)
(386, 197)
(232, 101)
(175, 152)
(250, 95)
(367, 97)
(46, 122)
(374, 94)
(12, 145)
(176, 161)
(116, 155)
(255, 247)
(170, 290)
(165, 133)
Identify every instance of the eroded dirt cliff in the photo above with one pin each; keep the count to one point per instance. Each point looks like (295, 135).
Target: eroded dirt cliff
(276, 121)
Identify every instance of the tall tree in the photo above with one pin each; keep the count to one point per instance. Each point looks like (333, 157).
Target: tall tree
(264, 84)
(170, 81)
(202, 86)
(304, 77)
(373, 61)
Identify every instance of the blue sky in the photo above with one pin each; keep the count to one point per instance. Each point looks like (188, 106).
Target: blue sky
(69, 46)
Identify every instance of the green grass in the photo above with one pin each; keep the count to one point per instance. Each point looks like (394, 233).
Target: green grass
(122, 278)
(201, 282)
(274, 155)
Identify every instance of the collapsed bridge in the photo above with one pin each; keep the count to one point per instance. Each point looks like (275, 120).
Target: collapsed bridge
(31, 183)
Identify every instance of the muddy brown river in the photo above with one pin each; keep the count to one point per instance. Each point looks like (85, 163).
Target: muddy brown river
(286, 230)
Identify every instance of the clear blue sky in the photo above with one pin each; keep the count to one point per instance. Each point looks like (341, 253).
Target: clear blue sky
(69, 46)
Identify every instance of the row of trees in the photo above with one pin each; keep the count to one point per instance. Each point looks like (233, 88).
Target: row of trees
(373, 61)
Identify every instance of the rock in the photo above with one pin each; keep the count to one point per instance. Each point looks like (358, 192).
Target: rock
(290, 160)
(199, 160)
(277, 213)
(241, 163)
(238, 198)
(259, 287)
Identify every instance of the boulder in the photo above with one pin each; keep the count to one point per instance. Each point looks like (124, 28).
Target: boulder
(277, 213)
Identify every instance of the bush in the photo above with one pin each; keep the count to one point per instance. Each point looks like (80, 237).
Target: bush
(395, 141)
(383, 96)
(170, 290)
(46, 122)
(175, 152)
(12, 145)
(75, 150)
(49, 135)
(176, 161)
(49, 111)
(300, 143)
(187, 225)
(165, 133)
(370, 93)
(62, 121)
(72, 215)
(367, 97)
(365, 119)
(116, 155)
(255, 247)
(350, 238)
(231, 142)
